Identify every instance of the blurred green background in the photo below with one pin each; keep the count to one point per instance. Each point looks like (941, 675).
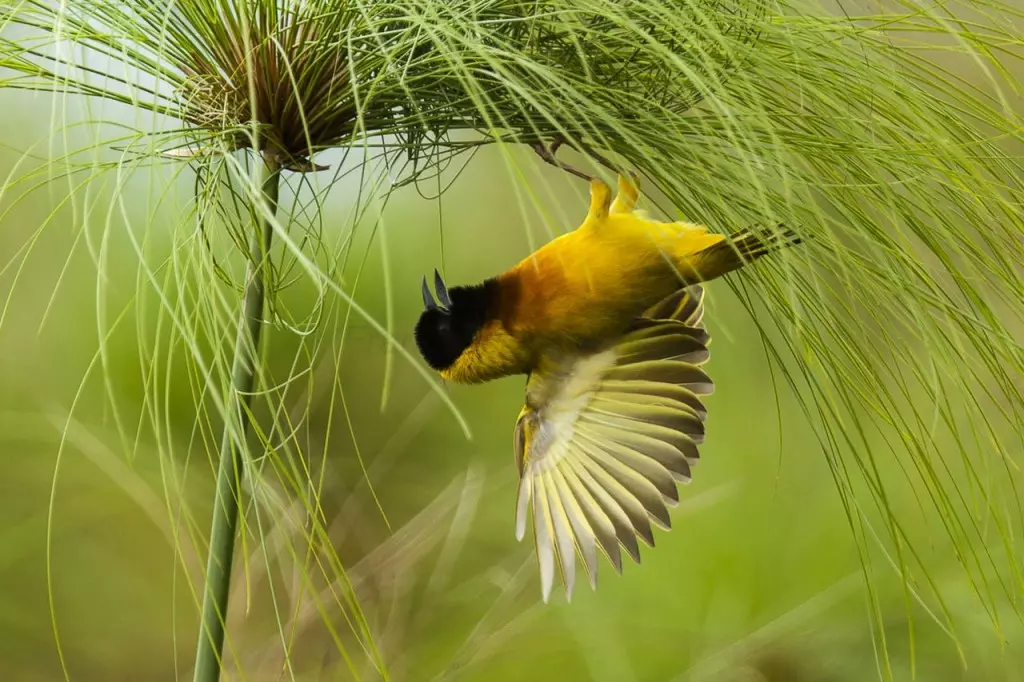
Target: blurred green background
(759, 580)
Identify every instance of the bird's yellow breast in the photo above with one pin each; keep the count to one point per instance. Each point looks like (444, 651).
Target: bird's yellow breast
(583, 288)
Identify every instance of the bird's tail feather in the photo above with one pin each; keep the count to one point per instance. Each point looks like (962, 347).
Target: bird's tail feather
(739, 249)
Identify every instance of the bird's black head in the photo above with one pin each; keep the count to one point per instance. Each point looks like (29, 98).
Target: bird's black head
(447, 326)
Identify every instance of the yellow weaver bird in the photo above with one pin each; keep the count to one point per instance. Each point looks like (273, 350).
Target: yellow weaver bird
(607, 322)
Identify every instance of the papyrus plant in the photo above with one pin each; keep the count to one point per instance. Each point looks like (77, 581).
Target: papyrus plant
(897, 328)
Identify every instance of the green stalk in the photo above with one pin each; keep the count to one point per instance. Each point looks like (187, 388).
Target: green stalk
(232, 449)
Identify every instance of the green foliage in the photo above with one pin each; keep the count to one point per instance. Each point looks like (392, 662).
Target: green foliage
(888, 136)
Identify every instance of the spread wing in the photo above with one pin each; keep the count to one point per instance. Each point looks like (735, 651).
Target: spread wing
(601, 445)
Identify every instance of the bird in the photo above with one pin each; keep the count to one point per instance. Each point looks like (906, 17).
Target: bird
(607, 324)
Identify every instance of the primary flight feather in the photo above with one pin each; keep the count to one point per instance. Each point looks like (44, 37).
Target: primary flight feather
(607, 323)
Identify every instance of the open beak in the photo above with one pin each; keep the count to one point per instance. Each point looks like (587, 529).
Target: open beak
(442, 291)
(428, 298)
(442, 294)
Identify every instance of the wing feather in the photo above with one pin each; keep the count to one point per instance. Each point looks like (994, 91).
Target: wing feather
(667, 371)
(543, 536)
(651, 393)
(606, 437)
(600, 523)
(634, 478)
(665, 346)
(645, 329)
(685, 306)
(683, 442)
(620, 520)
(623, 498)
(564, 545)
(651, 419)
(665, 453)
(583, 533)
(650, 469)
